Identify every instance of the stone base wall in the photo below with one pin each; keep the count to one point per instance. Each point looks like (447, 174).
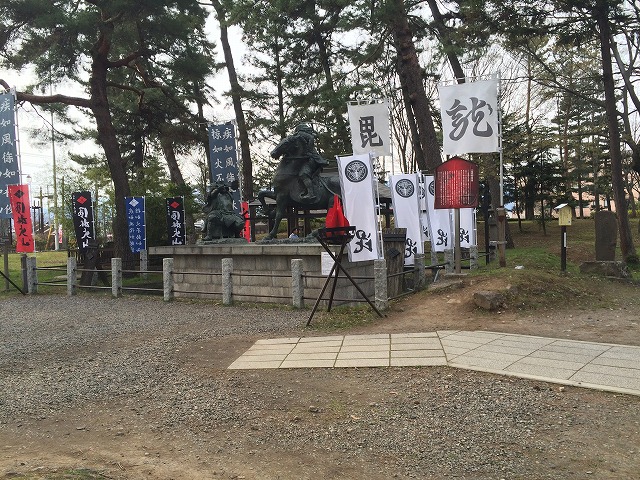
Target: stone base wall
(261, 273)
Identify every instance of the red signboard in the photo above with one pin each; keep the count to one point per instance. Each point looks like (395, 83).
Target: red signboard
(457, 184)
(19, 197)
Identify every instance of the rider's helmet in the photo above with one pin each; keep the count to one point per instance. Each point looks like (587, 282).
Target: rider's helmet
(304, 127)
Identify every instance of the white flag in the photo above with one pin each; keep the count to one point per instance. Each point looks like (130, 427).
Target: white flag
(440, 220)
(468, 230)
(359, 201)
(370, 130)
(406, 212)
(469, 117)
(424, 216)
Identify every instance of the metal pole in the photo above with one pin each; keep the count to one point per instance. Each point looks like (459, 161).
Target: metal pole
(5, 253)
(563, 248)
(456, 232)
(55, 183)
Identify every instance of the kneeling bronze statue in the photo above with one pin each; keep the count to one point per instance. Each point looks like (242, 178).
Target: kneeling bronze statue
(221, 221)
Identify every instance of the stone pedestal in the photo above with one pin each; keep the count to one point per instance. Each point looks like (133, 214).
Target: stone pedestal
(261, 273)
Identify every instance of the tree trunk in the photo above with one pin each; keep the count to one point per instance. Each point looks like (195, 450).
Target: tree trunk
(99, 104)
(617, 179)
(177, 179)
(236, 97)
(445, 40)
(410, 74)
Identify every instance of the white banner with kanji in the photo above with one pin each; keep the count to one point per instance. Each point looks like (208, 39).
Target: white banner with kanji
(406, 212)
(470, 117)
(468, 230)
(424, 216)
(359, 204)
(440, 220)
(370, 131)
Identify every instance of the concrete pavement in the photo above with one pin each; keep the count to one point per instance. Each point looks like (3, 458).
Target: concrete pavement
(601, 366)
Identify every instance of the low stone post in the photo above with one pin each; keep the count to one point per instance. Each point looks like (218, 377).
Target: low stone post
(144, 263)
(380, 284)
(418, 265)
(72, 275)
(167, 278)
(473, 257)
(227, 284)
(434, 257)
(32, 275)
(297, 283)
(448, 258)
(116, 277)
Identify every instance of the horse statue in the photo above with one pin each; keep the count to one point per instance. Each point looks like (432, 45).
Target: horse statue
(297, 181)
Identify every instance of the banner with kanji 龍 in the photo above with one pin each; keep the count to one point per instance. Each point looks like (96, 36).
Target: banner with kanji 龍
(470, 117)
(19, 198)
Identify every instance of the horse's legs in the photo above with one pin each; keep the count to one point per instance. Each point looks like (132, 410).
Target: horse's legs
(276, 222)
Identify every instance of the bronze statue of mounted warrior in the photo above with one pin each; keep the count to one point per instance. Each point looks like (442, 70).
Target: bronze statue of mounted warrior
(297, 181)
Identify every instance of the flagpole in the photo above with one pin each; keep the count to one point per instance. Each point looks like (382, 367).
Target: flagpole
(500, 145)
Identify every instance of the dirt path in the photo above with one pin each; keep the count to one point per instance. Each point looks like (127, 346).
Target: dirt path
(184, 416)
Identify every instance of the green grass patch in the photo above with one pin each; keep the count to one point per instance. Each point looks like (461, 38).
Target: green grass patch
(72, 474)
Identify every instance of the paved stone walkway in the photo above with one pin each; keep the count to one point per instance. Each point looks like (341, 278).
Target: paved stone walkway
(601, 366)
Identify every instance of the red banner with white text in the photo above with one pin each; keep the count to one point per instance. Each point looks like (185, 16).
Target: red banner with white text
(20, 206)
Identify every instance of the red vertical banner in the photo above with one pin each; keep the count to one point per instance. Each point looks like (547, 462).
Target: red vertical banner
(246, 231)
(19, 198)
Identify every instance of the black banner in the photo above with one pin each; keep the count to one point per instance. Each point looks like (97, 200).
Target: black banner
(9, 174)
(224, 168)
(176, 228)
(83, 219)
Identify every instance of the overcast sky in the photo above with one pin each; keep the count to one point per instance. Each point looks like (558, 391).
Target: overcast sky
(37, 160)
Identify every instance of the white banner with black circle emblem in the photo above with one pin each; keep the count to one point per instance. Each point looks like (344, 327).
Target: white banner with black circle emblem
(406, 212)
(359, 203)
(422, 202)
(369, 123)
(440, 220)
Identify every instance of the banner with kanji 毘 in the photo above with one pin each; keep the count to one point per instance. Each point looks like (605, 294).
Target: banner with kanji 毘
(370, 131)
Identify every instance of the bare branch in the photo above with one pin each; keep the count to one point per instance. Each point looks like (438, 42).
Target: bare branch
(46, 99)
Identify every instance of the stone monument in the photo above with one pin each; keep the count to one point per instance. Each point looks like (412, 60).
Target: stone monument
(606, 236)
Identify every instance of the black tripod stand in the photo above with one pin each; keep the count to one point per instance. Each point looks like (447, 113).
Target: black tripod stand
(337, 236)
(11, 282)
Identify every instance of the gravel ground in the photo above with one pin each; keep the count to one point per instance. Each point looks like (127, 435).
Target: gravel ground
(142, 385)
